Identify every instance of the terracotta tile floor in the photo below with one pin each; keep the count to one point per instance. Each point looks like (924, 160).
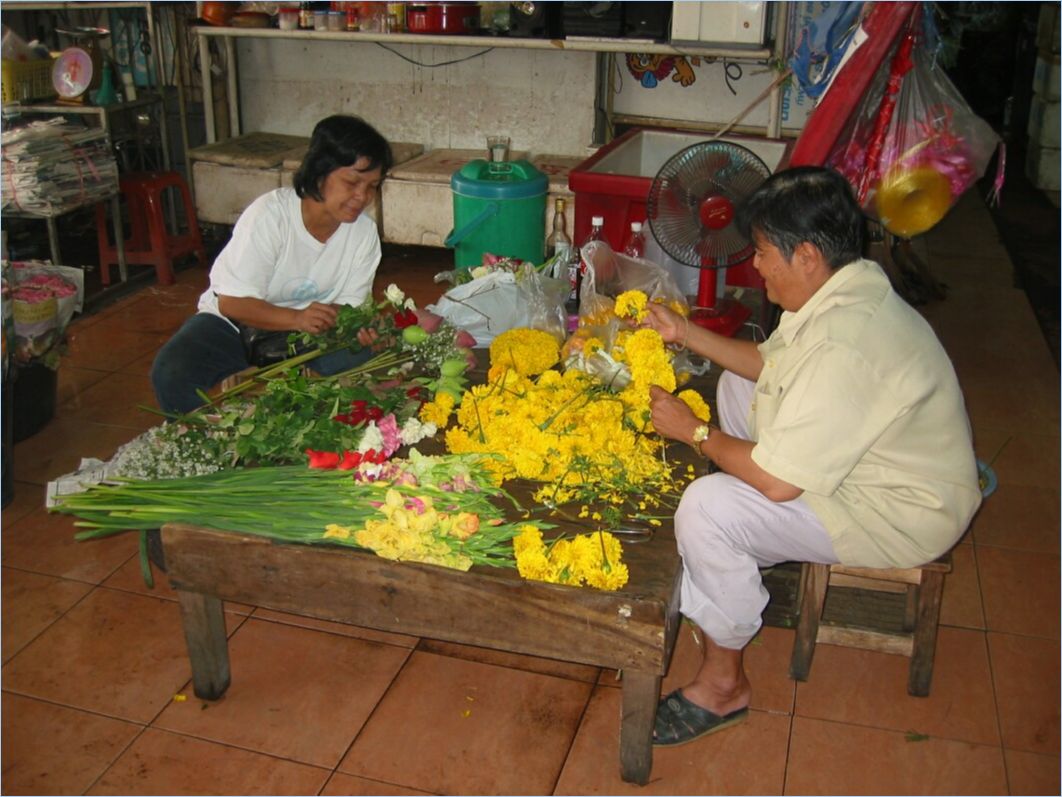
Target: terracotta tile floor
(92, 660)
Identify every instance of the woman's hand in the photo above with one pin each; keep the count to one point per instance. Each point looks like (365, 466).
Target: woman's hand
(672, 327)
(315, 318)
(368, 336)
(671, 416)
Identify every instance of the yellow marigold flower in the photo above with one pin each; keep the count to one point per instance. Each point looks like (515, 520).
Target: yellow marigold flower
(528, 351)
(695, 401)
(631, 305)
(592, 345)
(438, 410)
(614, 578)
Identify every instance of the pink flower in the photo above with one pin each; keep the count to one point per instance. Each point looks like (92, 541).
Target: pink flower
(392, 439)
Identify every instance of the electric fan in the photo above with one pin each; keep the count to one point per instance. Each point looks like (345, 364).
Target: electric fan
(691, 208)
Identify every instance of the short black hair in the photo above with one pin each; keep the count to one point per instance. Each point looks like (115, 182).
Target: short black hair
(338, 141)
(806, 203)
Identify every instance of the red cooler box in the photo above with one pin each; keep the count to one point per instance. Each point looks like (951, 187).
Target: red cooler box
(614, 183)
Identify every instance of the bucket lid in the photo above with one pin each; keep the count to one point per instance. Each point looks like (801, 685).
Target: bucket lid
(516, 180)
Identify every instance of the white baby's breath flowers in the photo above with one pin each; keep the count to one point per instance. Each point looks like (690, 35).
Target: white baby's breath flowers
(169, 451)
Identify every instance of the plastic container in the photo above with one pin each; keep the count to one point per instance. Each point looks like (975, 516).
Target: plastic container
(498, 208)
(27, 80)
(288, 18)
(35, 390)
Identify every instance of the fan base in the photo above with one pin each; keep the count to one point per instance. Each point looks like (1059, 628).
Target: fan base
(725, 318)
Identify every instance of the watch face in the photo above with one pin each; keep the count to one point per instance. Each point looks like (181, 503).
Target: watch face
(72, 72)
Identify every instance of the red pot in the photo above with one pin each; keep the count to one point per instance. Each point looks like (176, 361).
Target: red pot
(442, 18)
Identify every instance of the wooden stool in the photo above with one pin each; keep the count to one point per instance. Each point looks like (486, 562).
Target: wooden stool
(151, 243)
(923, 587)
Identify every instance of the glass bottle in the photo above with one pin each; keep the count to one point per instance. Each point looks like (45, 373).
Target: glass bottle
(558, 244)
(575, 270)
(636, 242)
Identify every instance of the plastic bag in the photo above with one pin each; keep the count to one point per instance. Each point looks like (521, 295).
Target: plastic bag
(44, 300)
(914, 145)
(607, 274)
(504, 300)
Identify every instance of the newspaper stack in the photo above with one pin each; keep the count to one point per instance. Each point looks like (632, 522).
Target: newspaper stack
(53, 166)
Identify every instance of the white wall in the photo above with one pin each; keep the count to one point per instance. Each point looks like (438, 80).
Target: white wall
(543, 99)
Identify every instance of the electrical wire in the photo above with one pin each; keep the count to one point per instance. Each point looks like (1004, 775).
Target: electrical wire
(433, 66)
(732, 71)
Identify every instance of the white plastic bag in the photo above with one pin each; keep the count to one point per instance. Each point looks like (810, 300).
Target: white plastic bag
(501, 300)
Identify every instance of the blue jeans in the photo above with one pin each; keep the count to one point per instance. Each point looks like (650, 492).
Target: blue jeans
(205, 350)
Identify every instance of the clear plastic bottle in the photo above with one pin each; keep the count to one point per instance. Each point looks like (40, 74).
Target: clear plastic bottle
(636, 242)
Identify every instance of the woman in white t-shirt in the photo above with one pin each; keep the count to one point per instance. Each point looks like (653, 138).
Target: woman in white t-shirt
(296, 255)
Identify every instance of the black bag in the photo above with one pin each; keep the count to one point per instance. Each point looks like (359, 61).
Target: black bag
(264, 347)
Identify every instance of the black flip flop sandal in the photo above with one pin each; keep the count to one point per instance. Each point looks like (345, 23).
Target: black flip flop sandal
(678, 721)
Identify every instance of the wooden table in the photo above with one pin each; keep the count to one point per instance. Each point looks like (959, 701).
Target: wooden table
(632, 630)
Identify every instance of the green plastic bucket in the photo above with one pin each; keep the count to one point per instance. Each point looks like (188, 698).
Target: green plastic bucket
(498, 208)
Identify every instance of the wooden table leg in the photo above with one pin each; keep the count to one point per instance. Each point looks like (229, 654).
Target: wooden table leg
(641, 694)
(208, 645)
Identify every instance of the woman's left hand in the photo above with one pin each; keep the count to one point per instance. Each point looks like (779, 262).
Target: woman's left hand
(367, 336)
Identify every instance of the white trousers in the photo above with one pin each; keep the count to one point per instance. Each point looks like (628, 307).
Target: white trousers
(727, 530)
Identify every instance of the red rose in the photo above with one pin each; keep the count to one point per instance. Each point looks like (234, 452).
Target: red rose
(405, 318)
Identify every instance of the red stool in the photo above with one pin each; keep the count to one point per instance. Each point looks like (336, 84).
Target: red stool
(150, 242)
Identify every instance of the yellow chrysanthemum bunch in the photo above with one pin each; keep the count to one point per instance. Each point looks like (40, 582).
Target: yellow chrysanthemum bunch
(630, 305)
(593, 560)
(563, 429)
(650, 364)
(412, 531)
(528, 351)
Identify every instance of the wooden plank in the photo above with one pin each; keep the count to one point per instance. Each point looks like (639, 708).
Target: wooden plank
(489, 607)
(839, 579)
(864, 639)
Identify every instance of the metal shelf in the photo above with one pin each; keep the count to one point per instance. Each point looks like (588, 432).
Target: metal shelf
(587, 44)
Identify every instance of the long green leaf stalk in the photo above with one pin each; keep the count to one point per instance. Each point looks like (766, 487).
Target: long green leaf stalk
(289, 504)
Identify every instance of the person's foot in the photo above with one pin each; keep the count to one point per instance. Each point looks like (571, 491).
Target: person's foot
(678, 721)
(717, 697)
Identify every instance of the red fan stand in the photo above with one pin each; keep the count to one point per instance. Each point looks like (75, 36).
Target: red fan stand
(714, 309)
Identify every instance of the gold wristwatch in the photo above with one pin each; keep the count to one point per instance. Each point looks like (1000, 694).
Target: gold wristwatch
(700, 434)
